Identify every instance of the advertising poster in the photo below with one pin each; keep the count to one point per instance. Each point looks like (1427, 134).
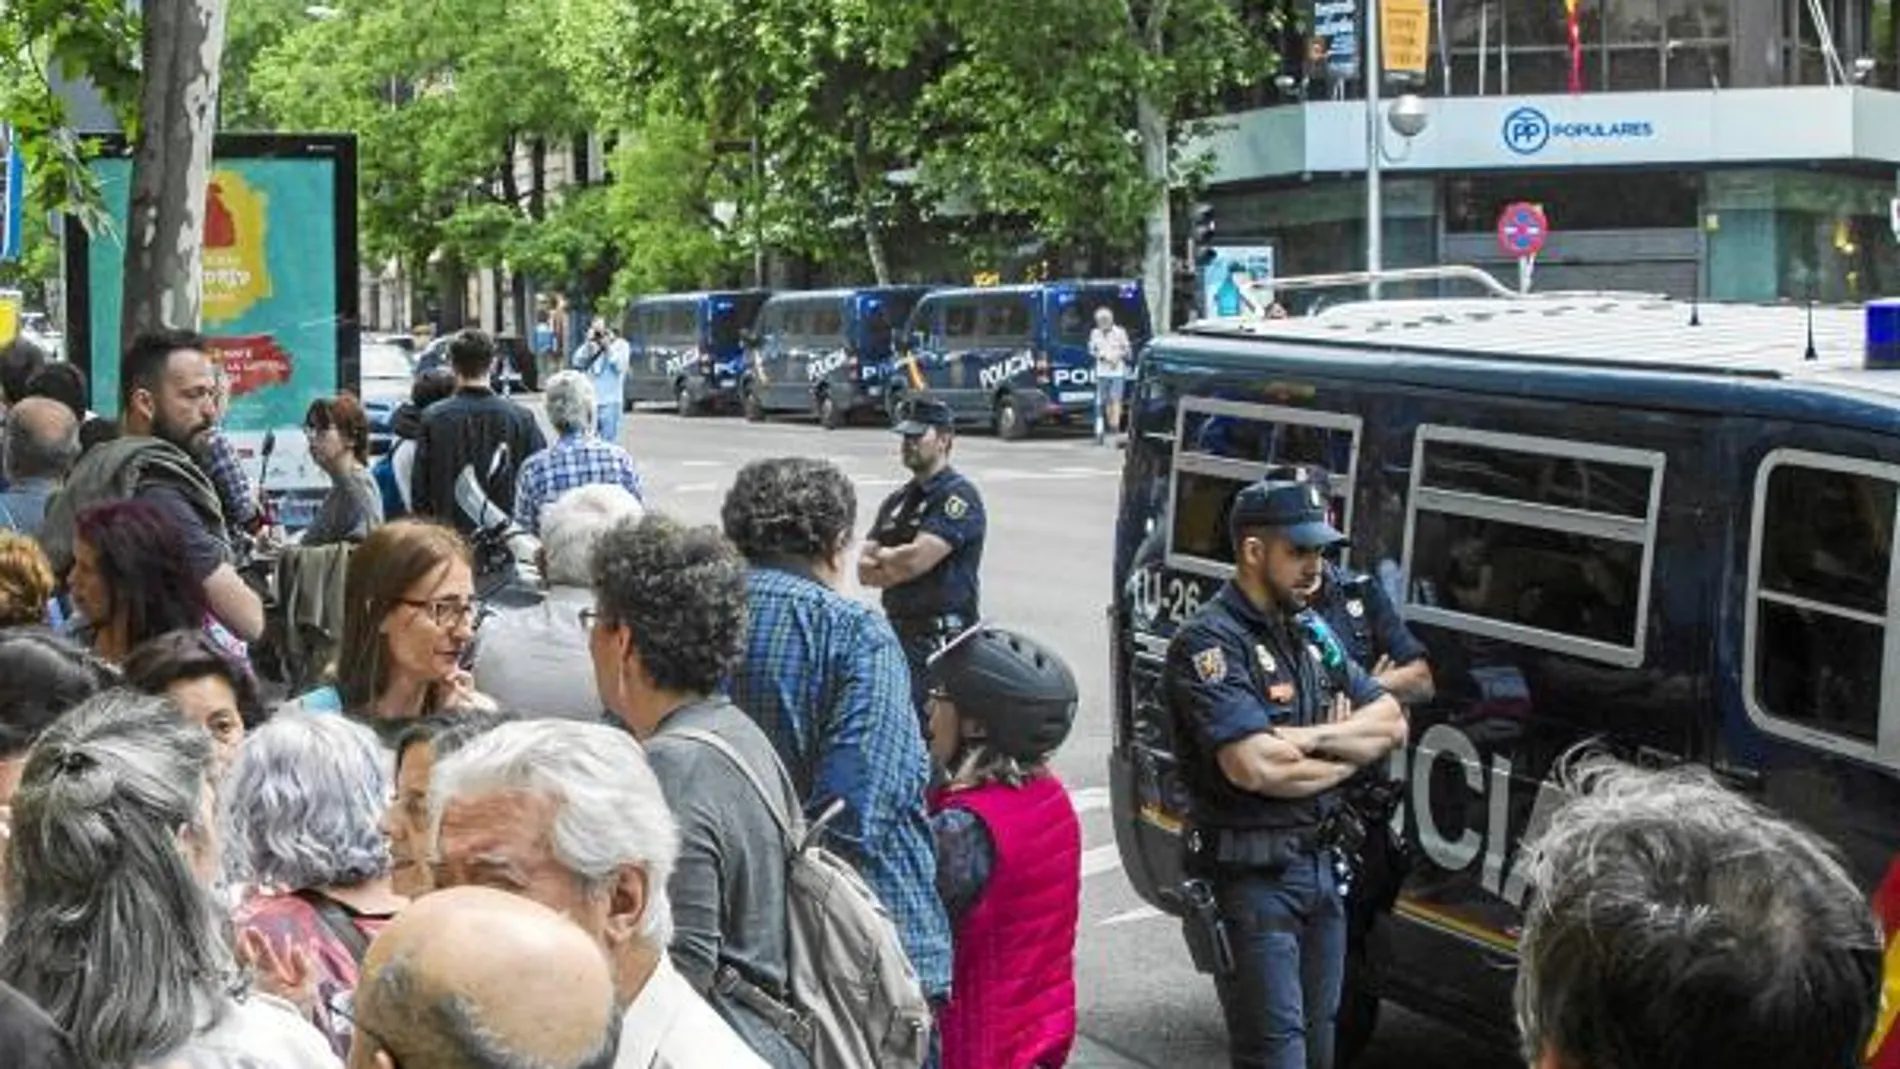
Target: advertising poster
(279, 301)
(1235, 274)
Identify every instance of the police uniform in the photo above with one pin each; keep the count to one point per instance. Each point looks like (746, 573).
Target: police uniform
(943, 601)
(1359, 611)
(1234, 671)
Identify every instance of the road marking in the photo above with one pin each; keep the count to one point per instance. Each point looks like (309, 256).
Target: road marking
(1088, 799)
(1131, 916)
(1101, 859)
(702, 463)
(696, 488)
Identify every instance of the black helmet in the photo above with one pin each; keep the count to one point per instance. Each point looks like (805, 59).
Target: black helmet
(1021, 691)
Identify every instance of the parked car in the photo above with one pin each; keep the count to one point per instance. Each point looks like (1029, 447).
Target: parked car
(388, 372)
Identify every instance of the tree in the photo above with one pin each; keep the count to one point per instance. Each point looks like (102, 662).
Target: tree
(252, 27)
(39, 39)
(171, 164)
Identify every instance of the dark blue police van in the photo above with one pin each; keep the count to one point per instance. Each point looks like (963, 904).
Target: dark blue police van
(1610, 518)
(689, 348)
(1013, 356)
(825, 352)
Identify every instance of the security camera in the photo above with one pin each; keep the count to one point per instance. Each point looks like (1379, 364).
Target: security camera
(1408, 116)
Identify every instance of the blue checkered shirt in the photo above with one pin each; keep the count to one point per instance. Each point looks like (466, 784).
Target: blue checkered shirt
(826, 679)
(576, 460)
(235, 492)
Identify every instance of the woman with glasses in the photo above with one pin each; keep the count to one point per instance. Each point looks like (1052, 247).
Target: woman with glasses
(338, 432)
(408, 618)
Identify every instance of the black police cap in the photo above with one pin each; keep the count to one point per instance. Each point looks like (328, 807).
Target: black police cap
(1296, 509)
(920, 414)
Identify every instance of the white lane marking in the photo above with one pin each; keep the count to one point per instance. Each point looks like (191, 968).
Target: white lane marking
(696, 488)
(702, 463)
(1131, 916)
(1088, 799)
(1101, 859)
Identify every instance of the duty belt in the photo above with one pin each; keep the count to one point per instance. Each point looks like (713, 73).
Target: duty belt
(943, 626)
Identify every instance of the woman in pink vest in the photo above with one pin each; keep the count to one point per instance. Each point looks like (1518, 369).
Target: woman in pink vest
(1009, 850)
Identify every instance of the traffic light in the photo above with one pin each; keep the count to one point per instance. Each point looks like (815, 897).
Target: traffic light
(1201, 233)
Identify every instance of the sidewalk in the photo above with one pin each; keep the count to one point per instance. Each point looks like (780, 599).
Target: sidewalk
(1089, 1054)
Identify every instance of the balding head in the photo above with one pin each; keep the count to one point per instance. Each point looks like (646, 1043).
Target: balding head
(473, 978)
(42, 439)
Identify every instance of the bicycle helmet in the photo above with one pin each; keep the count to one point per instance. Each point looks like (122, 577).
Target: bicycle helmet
(1020, 691)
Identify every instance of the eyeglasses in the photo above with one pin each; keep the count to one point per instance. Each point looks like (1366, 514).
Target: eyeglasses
(590, 619)
(447, 612)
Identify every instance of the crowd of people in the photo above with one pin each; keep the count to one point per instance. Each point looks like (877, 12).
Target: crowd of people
(568, 833)
(612, 784)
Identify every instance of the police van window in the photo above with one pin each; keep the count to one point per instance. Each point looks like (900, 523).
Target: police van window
(885, 319)
(827, 321)
(1537, 541)
(794, 320)
(1005, 319)
(679, 322)
(959, 321)
(1820, 593)
(1221, 446)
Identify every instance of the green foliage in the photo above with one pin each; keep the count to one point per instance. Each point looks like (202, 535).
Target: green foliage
(251, 27)
(95, 39)
(660, 211)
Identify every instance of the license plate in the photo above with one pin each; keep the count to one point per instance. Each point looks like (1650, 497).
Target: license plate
(1069, 397)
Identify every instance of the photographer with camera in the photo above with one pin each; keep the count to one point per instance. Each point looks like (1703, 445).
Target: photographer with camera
(603, 357)
(1273, 718)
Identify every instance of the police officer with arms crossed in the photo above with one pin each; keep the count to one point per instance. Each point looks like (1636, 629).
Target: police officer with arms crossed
(1272, 717)
(926, 545)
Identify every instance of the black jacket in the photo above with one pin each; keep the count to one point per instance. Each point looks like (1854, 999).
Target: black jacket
(467, 429)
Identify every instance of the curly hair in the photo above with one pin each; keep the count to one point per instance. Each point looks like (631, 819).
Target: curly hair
(789, 508)
(26, 580)
(681, 592)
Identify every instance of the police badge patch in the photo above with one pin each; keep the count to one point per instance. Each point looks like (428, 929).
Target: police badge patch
(1210, 664)
(955, 507)
(1355, 608)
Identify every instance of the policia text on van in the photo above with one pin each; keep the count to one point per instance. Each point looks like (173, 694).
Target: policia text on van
(1603, 522)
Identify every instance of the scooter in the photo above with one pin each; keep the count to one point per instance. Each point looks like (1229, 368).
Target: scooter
(507, 558)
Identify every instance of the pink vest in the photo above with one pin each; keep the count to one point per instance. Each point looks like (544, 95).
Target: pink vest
(1013, 1003)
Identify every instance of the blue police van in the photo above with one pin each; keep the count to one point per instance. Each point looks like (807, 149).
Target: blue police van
(825, 352)
(1013, 356)
(689, 348)
(1666, 529)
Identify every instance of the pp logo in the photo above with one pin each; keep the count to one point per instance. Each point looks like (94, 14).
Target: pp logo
(1526, 131)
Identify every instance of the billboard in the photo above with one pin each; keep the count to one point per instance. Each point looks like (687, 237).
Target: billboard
(280, 291)
(1234, 277)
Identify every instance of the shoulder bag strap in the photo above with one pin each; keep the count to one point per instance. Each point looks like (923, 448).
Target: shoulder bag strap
(707, 738)
(339, 921)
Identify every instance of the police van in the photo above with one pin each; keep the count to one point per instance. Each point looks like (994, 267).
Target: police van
(1013, 356)
(1665, 528)
(825, 352)
(689, 348)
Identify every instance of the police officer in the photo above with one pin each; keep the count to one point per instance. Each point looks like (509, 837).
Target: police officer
(1272, 717)
(926, 544)
(1359, 611)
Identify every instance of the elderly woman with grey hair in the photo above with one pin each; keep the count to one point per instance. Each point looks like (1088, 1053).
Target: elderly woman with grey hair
(112, 927)
(303, 810)
(578, 457)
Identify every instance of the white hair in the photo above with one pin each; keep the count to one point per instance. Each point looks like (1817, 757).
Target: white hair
(571, 402)
(304, 804)
(573, 525)
(610, 812)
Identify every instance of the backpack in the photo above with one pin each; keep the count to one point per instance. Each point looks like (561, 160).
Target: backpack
(856, 1002)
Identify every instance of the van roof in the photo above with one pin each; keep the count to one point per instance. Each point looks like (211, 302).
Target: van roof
(667, 298)
(1608, 329)
(839, 292)
(1030, 287)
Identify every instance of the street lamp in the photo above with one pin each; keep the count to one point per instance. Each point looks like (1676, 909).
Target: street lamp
(1408, 118)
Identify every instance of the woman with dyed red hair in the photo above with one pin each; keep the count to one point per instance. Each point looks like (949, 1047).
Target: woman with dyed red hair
(130, 580)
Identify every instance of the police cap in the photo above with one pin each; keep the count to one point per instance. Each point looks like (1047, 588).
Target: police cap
(1295, 509)
(920, 414)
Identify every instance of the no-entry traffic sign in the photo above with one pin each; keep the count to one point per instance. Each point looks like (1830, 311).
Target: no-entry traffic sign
(1522, 230)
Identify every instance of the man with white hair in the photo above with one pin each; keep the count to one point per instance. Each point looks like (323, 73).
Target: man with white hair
(571, 816)
(534, 660)
(580, 457)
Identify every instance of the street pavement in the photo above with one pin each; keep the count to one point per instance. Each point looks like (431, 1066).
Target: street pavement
(1051, 504)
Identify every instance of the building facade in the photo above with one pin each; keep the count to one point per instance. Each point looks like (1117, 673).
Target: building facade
(1732, 149)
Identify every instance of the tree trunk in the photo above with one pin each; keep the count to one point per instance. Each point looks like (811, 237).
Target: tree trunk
(867, 213)
(1157, 268)
(180, 54)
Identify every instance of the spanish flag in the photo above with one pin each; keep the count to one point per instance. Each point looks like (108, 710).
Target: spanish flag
(1883, 1050)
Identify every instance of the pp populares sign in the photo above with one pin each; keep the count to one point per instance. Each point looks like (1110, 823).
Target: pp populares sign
(1528, 131)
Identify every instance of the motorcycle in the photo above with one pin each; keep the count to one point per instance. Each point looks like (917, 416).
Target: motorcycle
(507, 568)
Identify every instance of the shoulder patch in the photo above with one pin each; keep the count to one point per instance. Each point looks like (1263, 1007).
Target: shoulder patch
(955, 507)
(1210, 664)
(1355, 608)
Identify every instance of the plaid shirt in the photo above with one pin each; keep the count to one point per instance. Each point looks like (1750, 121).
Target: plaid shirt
(826, 679)
(235, 492)
(576, 460)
